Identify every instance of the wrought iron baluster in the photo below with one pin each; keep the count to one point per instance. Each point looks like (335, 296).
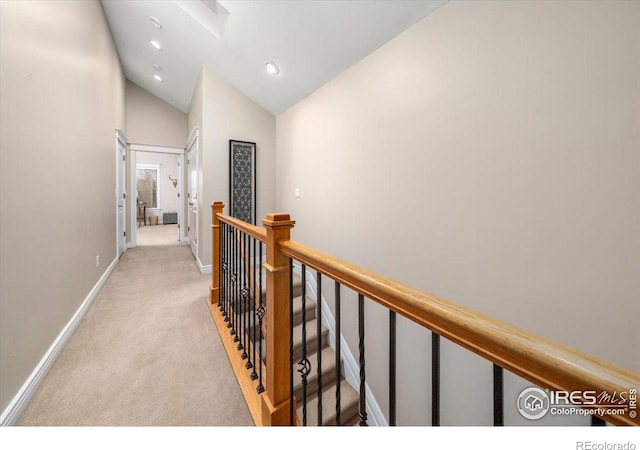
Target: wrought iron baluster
(338, 356)
(363, 398)
(305, 366)
(245, 297)
(222, 269)
(232, 297)
(498, 403)
(260, 312)
(291, 416)
(392, 368)
(435, 379)
(227, 291)
(251, 270)
(319, 337)
(236, 274)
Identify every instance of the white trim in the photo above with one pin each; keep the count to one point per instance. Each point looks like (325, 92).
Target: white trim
(195, 133)
(13, 411)
(351, 367)
(133, 211)
(133, 199)
(193, 143)
(156, 149)
(204, 270)
(121, 139)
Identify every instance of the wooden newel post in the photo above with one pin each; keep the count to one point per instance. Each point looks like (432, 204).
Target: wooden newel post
(275, 401)
(216, 208)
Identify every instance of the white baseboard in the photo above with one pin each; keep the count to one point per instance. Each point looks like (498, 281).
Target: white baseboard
(351, 367)
(204, 270)
(13, 411)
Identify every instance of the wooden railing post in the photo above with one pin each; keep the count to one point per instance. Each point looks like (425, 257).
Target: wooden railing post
(216, 208)
(275, 401)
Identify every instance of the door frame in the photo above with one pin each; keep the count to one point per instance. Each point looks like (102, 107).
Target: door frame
(133, 151)
(121, 139)
(194, 139)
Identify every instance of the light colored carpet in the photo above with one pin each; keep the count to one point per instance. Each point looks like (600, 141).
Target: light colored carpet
(146, 353)
(158, 235)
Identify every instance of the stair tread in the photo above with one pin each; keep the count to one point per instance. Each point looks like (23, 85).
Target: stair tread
(348, 405)
(297, 315)
(328, 372)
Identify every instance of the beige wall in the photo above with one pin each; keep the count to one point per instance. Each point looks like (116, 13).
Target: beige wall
(153, 121)
(229, 114)
(63, 96)
(490, 155)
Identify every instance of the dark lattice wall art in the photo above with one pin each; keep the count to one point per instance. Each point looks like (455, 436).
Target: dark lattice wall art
(242, 180)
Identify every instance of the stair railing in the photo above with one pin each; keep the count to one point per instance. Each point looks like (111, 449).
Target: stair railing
(550, 365)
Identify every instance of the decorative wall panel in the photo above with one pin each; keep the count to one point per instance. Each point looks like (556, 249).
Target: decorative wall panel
(242, 180)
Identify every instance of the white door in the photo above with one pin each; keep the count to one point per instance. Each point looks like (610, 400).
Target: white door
(121, 195)
(192, 195)
(180, 207)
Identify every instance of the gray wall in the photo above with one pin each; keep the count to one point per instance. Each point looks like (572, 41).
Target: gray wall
(63, 96)
(490, 155)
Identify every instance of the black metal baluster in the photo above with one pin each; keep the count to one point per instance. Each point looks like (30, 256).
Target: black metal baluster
(227, 277)
(363, 399)
(236, 293)
(227, 293)
(498, 406)
(338, 356)
(241, 325)
(291, 417)
(305, 366)
(260, 312)
(240, 288)
(319, 336)
(392, 368)
(222, 269)
(251, 270)
(232, 278)
(435, 379)
(245, 296)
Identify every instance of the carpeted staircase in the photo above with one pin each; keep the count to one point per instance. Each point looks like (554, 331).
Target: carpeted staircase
(348, 396)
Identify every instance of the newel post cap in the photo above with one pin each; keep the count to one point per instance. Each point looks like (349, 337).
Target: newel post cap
(277, 220)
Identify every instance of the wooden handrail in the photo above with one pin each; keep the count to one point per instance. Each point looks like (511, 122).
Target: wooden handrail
(251, 230)
(539, 360)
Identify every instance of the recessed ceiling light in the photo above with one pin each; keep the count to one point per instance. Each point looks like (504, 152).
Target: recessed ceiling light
(155, 44)
(157, 67)
(272, 68)
(156, 23)
(157, 77)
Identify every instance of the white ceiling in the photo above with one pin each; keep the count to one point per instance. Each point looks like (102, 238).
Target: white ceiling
(310, 41)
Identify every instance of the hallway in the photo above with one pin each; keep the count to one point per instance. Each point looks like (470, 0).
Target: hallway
(146, 353)
(155, 235)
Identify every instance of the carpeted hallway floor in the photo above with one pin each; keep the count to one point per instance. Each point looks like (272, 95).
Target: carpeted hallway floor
(146, 353)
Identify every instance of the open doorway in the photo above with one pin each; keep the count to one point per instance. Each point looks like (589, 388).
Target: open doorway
(156, 185)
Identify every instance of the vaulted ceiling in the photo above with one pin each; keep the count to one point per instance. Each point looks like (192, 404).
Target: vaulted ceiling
(310, 42)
